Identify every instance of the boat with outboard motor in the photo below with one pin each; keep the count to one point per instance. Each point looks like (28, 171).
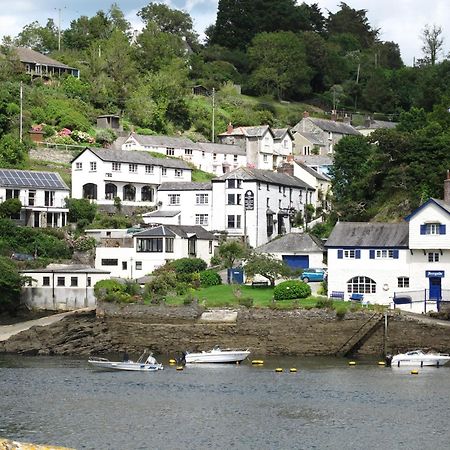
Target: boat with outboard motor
(217, 355)
(145, 363)
(417, 358)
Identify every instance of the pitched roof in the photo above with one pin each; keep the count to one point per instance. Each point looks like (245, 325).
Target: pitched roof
(27, 55)
(226, 149)
(315, 160)
(248, 131)
(328, 125)
(31, 179)
(293, 243)
(266, 176)
(185, 186)
(441, 203)
(117, 144)
(359, 234)
(314, 173)
(67, 268)
(279, 133)
(161, 213)
(314, 138)
(184, 231)
(136, 157)
(164, 141)
(378, 124)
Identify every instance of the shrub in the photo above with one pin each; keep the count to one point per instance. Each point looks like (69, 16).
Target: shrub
(324, 303)
(209, 278)
(291, 289)
(118, 297)
(246, 301)
(189, 265)
(109, 290)
(340, 313)
(215, 261)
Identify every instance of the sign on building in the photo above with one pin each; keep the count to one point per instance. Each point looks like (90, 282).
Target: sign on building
(249, 201)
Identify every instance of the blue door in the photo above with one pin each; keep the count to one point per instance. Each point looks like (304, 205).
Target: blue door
(236, 275)
(435, 289)
(296, 261)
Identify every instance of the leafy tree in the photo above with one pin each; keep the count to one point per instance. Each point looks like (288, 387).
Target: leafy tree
(432, 43)
(267, 266)
(188, 265)
(10, 285)
(231, 251)
(81, 211)
(10, 207)
(41, 39)
(13, 153)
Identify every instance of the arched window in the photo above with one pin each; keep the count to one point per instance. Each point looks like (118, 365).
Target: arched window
(90, 191)
(129, 193)
(110, 191)
(147, 194)
(361, 285)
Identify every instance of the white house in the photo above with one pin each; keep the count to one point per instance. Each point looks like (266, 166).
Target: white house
(257, 205)
(61, 287)
(218, 158)
(394, 262)
(258, 143)
(297, 250)
(153, 247)
(283, 146)
(166, 145)
(133, 176)
(42, 195)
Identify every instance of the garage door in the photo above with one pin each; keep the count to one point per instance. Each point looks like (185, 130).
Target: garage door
(296, 261)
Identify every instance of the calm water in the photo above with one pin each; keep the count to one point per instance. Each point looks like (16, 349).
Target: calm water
(326, 404)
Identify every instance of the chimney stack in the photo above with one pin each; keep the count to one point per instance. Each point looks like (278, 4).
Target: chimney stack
(347, 119)
(287, 168)
(305, 114)
(447, 189)
(229, 128)
(333, 115)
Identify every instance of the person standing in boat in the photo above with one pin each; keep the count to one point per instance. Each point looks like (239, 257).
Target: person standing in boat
(126, 358)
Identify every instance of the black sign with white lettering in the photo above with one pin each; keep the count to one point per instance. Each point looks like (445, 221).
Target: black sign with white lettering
(249, 201)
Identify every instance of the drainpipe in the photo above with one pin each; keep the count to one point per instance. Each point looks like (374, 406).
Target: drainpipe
(53, 289)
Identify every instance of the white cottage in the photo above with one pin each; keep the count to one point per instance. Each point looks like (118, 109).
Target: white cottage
(133, 176)
(42, 195)
(151, 248)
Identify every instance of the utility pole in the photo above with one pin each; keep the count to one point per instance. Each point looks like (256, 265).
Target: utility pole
(59, 27)
(213, 112)
(21, 112)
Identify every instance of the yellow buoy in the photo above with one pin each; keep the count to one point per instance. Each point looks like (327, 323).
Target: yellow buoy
(352, 363)
(381, 363)
(292, 369)
(278, 369)
(414, 372)
(180, 367)
(172, 361)
(257, 361)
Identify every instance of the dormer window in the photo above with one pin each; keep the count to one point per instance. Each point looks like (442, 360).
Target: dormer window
(432, 228)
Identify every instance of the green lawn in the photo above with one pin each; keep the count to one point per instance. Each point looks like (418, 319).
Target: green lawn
(223, 295)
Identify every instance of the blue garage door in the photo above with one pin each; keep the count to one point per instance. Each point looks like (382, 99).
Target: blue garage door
(296, 261)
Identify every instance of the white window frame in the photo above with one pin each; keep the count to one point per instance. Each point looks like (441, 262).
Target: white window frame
(93, 166)
(132, 168)
(432, 228)
(178, 172)
(149, 168)
(164, 171)
(403, 282)
(78, 166)
(202, 199)
(349, 254)
(174, 199)
(384, 254)
(201, 219)
(116, 166)
(433, 256)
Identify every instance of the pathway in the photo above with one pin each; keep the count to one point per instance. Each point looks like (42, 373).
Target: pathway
(425, 319)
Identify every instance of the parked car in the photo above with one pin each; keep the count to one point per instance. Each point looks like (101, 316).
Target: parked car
(312, 274)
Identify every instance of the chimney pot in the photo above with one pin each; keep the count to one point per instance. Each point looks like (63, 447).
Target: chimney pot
(305, 114)
(229, 128)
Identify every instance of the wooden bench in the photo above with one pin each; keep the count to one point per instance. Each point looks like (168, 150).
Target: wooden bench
(260, 284)
(357, 297)
(337, 294)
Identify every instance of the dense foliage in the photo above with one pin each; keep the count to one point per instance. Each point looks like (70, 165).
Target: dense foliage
(10, 283)
(267, 266)
(209, 278)
(292, 289)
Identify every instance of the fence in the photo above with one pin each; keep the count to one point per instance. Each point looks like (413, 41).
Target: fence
(420, 301)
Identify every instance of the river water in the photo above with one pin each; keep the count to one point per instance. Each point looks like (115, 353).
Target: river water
(327, 404)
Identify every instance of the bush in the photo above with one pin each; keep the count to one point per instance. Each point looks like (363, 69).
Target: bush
(292, 289)
(118, 297)
(340, 313)
(246, 301)
(109, 290)
(209, 278)
(215, 261)
(188, 265)
(324, 303)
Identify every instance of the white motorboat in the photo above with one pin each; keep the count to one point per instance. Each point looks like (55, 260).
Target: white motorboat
(143, 364)
(217, 355)
(418, 358)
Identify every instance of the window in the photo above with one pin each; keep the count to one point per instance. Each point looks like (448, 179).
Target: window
(203, 153)
(149, 168)
(93, 166)
(267, 187)
(170, 152)
(267, 202)
(234, 221)
(169, 245)
(235, 158)
(49, 198)
(74, 281)
(188, 151)
(116, 166)
(201, 199)
(178, 172)
(279, 204)
(31, 197)
(233, 183)
(46, 281)
(269, 224)
(129, 193)
(201, 219)
(225, 157)
(279, 189)
(138, 265)
(306, 150)
(214, 156)
(110, 262)
(61, 281)
(234, 199)
(330, 135)
(403, 282)
(89, 281)
(174, 199)
(132, 168)
(284, 191)
(265, 158)
(361, 285)
(210, 247)
(381, 254)
(163, 171)
(433, 257)
(78, 166)
(349, 254)
(12, 193)
(124, 265)
(150, 245)
(147, 194)
(432, 228)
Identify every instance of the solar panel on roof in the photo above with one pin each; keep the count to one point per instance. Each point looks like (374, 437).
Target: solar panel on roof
(19, 178)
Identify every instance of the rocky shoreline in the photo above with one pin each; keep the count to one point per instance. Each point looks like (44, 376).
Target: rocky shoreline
(168, 330)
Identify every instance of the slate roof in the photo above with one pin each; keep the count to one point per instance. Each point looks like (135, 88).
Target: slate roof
(293, 243)
(164, 141)
(225, 149)
(369, 235)
(26, 55)
(160, 213)
(315, 160)
(314, 173)
(67, 268)
(185, 186)
(248, 131)
(184, 231)
(441, 203)
(378, 124)
(314, 138)
(117, 144)
(265, 176)
(135, 156)
(278, 133)
(328, 125)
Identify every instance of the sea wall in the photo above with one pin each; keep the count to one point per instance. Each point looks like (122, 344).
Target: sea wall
(168, 330)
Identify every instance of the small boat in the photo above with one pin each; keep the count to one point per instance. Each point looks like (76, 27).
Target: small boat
(217, 355)
(145, 363)
(417, 358)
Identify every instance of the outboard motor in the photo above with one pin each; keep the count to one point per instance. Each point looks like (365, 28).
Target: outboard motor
(182, 359)
(388, 360)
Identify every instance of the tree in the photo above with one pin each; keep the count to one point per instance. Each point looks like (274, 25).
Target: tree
(12, 152)
(41, 39)
(81, 211)
(432, 43)
(10, 207)
(229, 252)
(10, 284)
(267, 266)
